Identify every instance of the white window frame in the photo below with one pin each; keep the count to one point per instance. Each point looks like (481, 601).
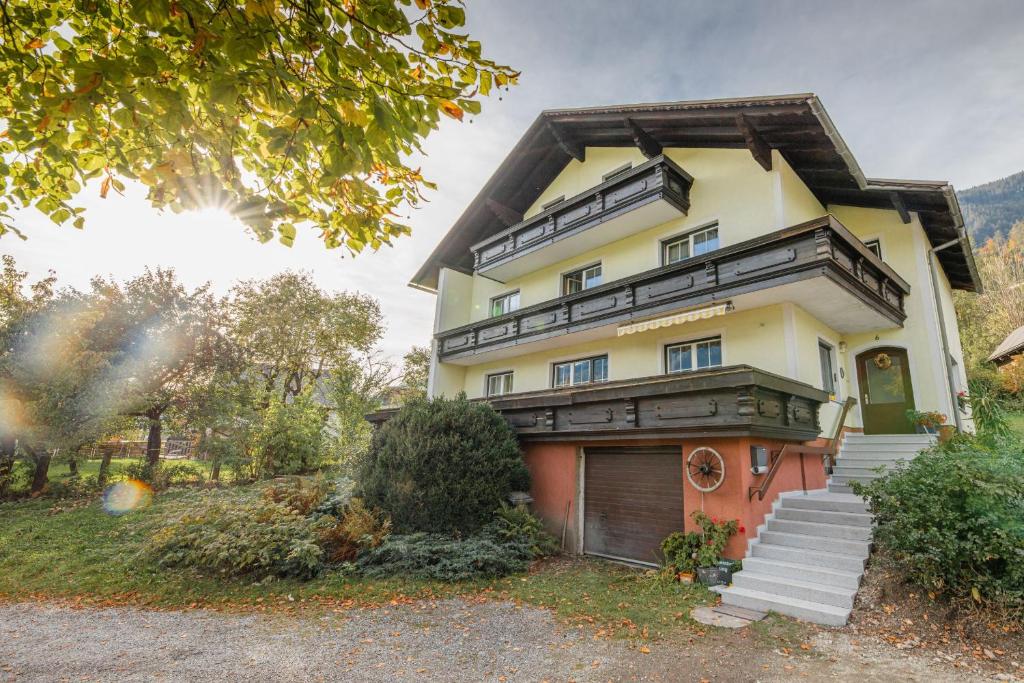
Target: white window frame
(571, 362)
(688, 237)
(834, 361)
(496, 375)
(562, 278)
(693, 342)
(878, 241)
(503, 297)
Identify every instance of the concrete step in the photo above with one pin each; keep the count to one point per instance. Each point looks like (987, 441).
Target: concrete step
(816, 612)
(834, 531)
(848, 470)
(799, 571)
(785, 553)
(817, 543)
(824, 516)
(839, 488)
(922, 439)
(888, 454)
(790, 588)
(849, 478)
(830, 502)
(871, 463)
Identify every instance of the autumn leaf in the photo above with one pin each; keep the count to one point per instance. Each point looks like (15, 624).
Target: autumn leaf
(90, 84)
(105, 187)
(646, 650)
(34, 44)
(423, 4)
(451, 109)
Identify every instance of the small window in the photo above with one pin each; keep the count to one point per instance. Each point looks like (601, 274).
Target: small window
(828, 373)
(695, 355)
(578, 280)
(554, 202)
(582, 371)
(694, 244)
(616, 171)
(499, 384)
(506, 303)
(875, 246)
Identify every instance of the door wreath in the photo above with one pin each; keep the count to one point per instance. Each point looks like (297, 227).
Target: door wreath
(883, 361)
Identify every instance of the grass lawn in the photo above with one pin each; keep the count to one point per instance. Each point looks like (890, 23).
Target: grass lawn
(75, 550)
(1017, 423)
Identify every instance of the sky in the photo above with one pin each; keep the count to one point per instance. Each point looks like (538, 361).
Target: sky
(921, 89)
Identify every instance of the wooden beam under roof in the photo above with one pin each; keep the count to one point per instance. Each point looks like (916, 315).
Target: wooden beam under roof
(647, 145)
(759, 149)
(901, 208)
(572, 147)
(503, 213)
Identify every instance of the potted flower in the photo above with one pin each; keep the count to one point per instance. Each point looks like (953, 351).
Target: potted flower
(714, 534)
(926, 422)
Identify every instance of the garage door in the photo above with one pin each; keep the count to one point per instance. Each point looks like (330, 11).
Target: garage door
(632, 500)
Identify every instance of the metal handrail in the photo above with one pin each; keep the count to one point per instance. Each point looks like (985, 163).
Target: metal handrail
(828, 452)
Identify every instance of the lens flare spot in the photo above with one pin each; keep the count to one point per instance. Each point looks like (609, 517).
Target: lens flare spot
(126, 496)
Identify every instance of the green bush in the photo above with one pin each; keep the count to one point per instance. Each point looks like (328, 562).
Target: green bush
(515, 524)
(989, 409)
(442, 466)
(684, 552)
(680, 551)
(290, 437)
(358, 528)
(442, 558)
(953, 519)
(239, 537)
(165, 474)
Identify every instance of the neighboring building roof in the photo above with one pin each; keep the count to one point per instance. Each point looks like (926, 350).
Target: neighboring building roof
(1011, 346)
(796, 125)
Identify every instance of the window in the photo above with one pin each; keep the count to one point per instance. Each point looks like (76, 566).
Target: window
(875, 246)
(828, 373)
(499, 384)
(616, 171)
(578, 280)
(506, 303)
(695, 355)
(583, 371)
(694, 244)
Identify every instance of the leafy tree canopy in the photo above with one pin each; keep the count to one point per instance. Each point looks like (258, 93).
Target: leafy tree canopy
(287, 113)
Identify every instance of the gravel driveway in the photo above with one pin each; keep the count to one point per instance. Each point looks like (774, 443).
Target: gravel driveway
(449, 640)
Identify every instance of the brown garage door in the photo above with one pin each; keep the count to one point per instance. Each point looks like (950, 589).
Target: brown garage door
(632, 500)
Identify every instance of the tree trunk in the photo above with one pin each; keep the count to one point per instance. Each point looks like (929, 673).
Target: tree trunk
(153, 440)
(6, 464)
(215, 470)
(73, 466)
(39, 479)
(101, 478)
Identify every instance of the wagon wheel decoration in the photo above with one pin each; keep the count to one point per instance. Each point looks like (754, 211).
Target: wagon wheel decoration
(705, 469)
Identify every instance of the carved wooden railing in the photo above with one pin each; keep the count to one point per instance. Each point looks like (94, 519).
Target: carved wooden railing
(819, 247)
(798, 450)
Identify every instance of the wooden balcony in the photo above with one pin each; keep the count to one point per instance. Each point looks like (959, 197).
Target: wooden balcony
(637, 199)
(819, 265)
(732, 401)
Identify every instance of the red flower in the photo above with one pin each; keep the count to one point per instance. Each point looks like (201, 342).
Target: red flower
(743, 529)
(710, 542)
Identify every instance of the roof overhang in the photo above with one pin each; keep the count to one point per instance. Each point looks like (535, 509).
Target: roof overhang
(795, 125)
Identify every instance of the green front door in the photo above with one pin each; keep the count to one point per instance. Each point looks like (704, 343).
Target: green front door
(886, 393)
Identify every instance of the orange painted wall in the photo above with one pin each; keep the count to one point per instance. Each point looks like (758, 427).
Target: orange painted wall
(553, 485)
(554, 471)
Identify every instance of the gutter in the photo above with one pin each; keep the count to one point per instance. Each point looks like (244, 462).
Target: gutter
(946, 356)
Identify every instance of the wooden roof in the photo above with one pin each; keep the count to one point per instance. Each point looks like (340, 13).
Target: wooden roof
(1010, 347)
(796, 125)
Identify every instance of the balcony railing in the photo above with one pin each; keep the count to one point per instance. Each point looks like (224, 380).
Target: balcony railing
(732, 401)
(658, 186)
(821, 248)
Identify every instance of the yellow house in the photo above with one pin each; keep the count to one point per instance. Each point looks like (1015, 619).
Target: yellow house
(654, 293)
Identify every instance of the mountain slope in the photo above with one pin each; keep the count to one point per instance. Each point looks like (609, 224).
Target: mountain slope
(993, 208)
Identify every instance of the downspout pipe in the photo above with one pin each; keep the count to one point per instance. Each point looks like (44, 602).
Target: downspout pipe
(946, 356)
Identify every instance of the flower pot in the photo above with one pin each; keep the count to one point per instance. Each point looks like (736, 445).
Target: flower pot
(711, 576)
(727, 567)
(685, 577)
(946, 432)
(923, 429)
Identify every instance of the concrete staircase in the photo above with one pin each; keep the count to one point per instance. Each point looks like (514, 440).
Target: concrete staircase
(809, 557)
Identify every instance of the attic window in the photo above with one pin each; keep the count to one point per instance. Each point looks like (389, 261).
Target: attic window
(618, 171)
(553, 202)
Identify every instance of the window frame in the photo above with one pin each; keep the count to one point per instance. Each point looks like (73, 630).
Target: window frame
(874, 245)
(688, 237)
(833, 362)
(500, 297)
(571, 363)
(494, 375)
(692, 343)
(564, 278)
